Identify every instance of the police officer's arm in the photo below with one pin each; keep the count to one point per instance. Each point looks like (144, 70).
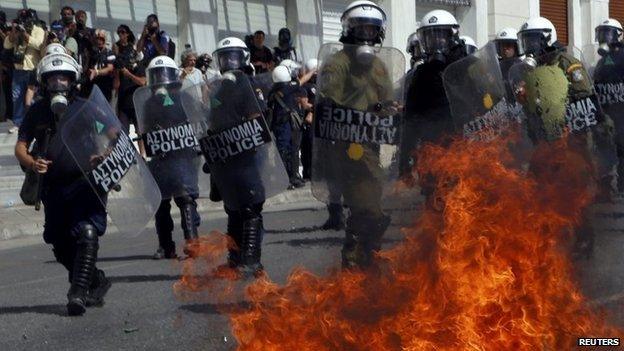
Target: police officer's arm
(306, 77)
(25, 136)
(577, 76)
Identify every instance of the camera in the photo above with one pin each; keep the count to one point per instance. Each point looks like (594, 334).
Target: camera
(128, 60)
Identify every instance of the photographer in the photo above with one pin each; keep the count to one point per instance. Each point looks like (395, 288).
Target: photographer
(85, 37)
(129, 75)
(100, 71)
(153, 41)
(58, 35)
(25, 40)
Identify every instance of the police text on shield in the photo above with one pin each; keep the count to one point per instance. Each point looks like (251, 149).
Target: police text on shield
(116, 164)
(235, 140)
(354, 126)
(174, 138)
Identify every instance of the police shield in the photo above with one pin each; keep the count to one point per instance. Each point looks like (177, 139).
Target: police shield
(168, 137)
(110, 162)
(477, 96)
(608, 76)
(356, 126)
(235, 140)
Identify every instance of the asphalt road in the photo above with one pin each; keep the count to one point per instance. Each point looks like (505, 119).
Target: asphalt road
(141, 311)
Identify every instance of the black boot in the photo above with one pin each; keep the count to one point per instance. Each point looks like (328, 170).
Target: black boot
(336, 218)
(84, 269)
(363, 239)
(164, 229)
(251, 247)
(99, 288)
(235, 231)
(189, 229)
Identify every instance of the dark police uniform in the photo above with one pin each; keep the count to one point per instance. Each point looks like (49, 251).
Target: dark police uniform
(175, 172)
(74, 216)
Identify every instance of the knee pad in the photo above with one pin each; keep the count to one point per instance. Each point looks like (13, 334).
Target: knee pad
(87, 234)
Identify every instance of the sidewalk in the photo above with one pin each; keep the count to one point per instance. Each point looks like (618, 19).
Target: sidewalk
(18, 220)
(21, 221)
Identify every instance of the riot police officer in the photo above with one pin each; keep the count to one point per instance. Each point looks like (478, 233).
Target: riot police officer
(508, 54)
(245, 222)
(469, 44)
(414, 48)
(560, 77)
(427, 112)
(284, 102)
(608, 76)
(74, 215)
(159, 107)
(354, 78)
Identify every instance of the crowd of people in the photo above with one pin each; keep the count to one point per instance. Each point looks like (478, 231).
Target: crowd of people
(259, 104)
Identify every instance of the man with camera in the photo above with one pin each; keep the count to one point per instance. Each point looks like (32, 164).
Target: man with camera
(25, 40)
(153, 41)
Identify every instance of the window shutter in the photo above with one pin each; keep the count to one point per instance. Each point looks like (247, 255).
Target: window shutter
(557, 12)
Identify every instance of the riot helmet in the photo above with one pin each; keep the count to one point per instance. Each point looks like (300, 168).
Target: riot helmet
(507, 40)
(469, 44)
(58, 74)
(413, 47)
(55, 48)
(536, 35)
(364, 23)
(293, 67)
(162, 71)
(281, 74)
(232, 54)
(609, 32)
(438, 34)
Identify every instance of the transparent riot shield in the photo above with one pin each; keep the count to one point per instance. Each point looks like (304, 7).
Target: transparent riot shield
(111, 164)
(477, 96)
(235, 140)
(264, 82)
(356, 127)
(168, 137)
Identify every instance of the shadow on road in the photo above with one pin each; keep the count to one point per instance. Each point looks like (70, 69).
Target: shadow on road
(120, 258)
(143, 278)
(331, 241)
(311, 229)
(57, 310)
(210, 308)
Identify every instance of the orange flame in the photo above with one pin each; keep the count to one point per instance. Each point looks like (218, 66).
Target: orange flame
(489, 272)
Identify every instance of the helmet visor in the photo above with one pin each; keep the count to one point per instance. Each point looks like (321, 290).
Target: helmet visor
(366, 29)
(532, 42)
(414, 48)
(230, 59)
(162, 75)
(471, 49)
(436, 39)
(607, 35)
(507, 48)
(58, 81)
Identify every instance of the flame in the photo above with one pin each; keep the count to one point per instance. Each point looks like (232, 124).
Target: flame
(488, 272)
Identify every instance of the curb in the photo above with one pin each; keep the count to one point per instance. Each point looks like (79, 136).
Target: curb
(23, 221)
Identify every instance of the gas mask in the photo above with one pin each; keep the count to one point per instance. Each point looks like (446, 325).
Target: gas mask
(365, 54)
(604, 49)
(58, 87)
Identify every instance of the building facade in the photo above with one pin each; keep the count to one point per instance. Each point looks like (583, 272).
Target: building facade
(201, 23)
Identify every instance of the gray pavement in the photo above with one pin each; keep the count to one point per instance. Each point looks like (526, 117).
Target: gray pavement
(142, 313)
